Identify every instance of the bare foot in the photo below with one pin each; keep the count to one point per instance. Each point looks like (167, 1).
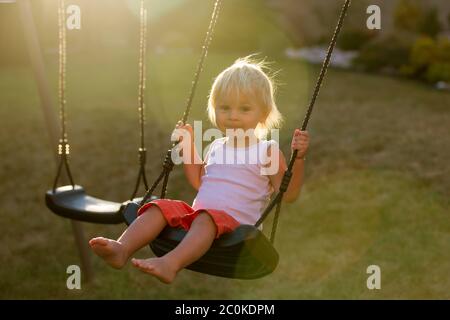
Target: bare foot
(157, 267)
(110, 250)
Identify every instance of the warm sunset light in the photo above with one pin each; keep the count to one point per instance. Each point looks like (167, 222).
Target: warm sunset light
(246, 151)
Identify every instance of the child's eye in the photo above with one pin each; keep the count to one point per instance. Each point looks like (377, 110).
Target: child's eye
(223, 107)
(245, 109)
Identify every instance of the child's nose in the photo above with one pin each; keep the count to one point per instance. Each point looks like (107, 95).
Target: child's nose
(233, 115)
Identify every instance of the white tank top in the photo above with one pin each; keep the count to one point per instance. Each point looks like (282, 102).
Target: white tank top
(235, 180)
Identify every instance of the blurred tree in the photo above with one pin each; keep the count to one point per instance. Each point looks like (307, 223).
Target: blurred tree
(430, 24)
(407, 15)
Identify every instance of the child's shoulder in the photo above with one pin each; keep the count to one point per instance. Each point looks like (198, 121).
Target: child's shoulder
(269, 143)
(218, 141)
(271, 147)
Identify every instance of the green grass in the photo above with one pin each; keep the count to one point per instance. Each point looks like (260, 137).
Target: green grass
(376, 189)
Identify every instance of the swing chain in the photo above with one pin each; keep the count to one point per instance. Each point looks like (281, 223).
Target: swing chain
(142, 151)
(205, 47)
(63, 144)
(63, 147)
(285, 182)
(288, 174)
(142, 156)
(168, 163)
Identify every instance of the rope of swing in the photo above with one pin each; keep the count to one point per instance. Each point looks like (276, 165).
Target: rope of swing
(168, 163)
(141, 103)
(288, 173)
(63, 145)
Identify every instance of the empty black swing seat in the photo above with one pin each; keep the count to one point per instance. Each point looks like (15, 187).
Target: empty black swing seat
(244, 253)
(72, 202)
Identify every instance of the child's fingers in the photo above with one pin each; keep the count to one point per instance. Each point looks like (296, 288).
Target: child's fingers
(299, 144)
(181, 125)
(300, 140)
(185, 126)
(300, 133)
(305, 140)
(301, 136)
(177, 134)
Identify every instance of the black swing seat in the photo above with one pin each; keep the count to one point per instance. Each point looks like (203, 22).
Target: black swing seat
(72, 202)
(244, 253)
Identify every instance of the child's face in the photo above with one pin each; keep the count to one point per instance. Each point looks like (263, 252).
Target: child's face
(242, 113)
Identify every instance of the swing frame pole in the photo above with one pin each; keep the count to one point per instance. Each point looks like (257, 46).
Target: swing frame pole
(37, 64)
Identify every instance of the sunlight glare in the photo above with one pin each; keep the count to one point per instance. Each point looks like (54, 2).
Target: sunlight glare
(155, 8)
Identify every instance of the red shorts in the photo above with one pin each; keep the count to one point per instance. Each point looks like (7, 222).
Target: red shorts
(180, 214)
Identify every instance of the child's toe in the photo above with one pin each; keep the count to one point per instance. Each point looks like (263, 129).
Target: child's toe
(136, 262)
(100, 241)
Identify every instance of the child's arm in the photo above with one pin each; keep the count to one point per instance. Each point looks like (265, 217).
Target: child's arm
(192, 162)
(193, 169)
(300, 142)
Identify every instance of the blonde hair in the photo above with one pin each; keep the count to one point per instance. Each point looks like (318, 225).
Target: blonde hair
(247, 76)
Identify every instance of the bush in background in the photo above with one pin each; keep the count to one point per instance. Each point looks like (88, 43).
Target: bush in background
(384, 54)
(429, 60)
(355, 39)
(424, 58)
(423, 53)
(438, 71)
(415, 50)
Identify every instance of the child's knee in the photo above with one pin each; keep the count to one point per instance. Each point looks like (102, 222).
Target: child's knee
(206, 224)
(205, 219)
(152, 211)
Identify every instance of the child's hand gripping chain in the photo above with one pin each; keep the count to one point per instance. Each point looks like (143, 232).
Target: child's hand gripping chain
(300, 142)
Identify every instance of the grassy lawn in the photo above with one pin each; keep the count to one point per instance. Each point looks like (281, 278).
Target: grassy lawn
(376, 188)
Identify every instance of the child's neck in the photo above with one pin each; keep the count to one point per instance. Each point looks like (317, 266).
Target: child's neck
(241, 142)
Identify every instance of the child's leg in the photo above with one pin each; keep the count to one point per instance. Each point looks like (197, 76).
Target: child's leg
(143, 230)
(194, 245)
